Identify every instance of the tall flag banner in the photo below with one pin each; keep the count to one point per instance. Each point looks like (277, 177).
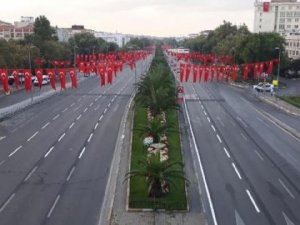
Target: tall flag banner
(270, 67)
(206, 74)
(195, 73)
(81, 67)
(182, 71)
(261, 68)
(255, 70)
(73, 77)
(16, 78)
(27, 79)
(218, 73)
(266, 6)
(102, 69)
(62, 78)
(212, 73)
(234, 72)
(51, 75)
(4, 79)
(246, 71)
(109, 74)
(201, 69)
(187, 72)
(39, 77)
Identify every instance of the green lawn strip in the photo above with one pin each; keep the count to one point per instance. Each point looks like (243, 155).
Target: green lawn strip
(294, 100)
(176, 199)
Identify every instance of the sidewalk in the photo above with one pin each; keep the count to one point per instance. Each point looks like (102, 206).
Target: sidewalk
(114, 208)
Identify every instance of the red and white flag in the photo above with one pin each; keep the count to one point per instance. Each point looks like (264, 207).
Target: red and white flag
(16, 78)
(73, 77)
(4, 79)
(51, 75)
(182, 71)
(109, 74)
(27, 79)
(39, 76)
(62, 78)
(195, 73)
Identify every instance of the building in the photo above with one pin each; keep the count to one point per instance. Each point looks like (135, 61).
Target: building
(17, 31)
(64, 34)
(280, 16)
(293, 46)
(120, 39)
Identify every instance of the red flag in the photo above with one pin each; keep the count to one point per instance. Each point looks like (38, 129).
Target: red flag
(256, 70)
(39, 76)
(109, 74)
(246, 71)
(73, 77)
(269, 67)
(261, 68)
(206, 74)
(187, 72)
(182, 71)
(195, 73)
(234, 72)
(212, 73)
(62, 78)
(27, 79)
(4, 79)
(16, 78)
(51, 75)
(81, 67)
(200, 73)
(102, 69)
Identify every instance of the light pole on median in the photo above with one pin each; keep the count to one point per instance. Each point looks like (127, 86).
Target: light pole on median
(278, 67)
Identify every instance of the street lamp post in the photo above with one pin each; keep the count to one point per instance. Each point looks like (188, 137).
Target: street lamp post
(278, 67)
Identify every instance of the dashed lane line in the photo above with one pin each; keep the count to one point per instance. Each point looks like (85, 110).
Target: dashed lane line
(92, 103)
(78, 118)
(3, 137)
(208, 119)
(65, 109)
(49, 151)
(100, 118)
(90, 137)
(86, 109)
(61, 137)
(243, 136)
(226, 152)
(29, 139)
(55, 117)
(213, 127)
(97, 124)
(15, 151)
(219, 138)
(286, 188)
(81, 153)
(30, 174)
(71, 173)
(253, 201)
(7, 202)
(105, 110)
(236, 171)
(72, 124)
(46, 125)
(259, 155)
(2, 162)
(53, 206)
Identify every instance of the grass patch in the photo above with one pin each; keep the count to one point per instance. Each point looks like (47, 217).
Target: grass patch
(176, 198)
(294, 100)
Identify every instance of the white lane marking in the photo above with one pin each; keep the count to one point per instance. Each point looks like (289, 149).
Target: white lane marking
(85, 110)
(208, 119)
(91, 104)
(97, 124)
(81, 153)
(236, 171)
(96, 99)
(78, 100)
(287, 219)
(105, 110)
(3, 137)
(242, 122)
(213, 127)
(71, 173)
(50, 150)
(65, 109)
(123, 136)
(53, 206)
(74, 110)
(30, 174)
(243, 136)
(252, 200)
(219, 138)
(201, 168)
(202, 106)
(61, 137)
(90, 137)
(286, 188)
(259, 155)
(55, 117)
(205, 113)
(2, 162)
(7, 202)
(97, 108)
(78, 118)
(72, 104)
(32, 136)
(226, 152)
(46, 125)
(108, 105)
(14, 152)
(100, 117)
(70, 127)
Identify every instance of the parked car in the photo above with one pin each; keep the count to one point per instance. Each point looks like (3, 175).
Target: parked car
(264, 87)
(11, 79)
(45, 80)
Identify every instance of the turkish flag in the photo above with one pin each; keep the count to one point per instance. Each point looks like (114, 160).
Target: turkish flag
(109, 74)
(81, 67)
(266, 6)
(187, 72)
(4, 79)
(51, 75)
(195, 73)
(261, 68)
(16, 78)
(246, 71)
(256, 70)
(182, 71)
(206, 74)
(73, 77)
(27, 79)
(200, 73)
(62, 78)
(234, 72)
(270, 67)
(39, 76)
(102, 69)
(212, 73)
(132, 64)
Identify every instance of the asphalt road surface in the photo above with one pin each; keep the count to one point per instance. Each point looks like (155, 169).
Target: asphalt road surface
(56, 156)
(251, 166)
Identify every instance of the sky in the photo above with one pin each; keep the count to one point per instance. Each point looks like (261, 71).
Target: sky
(162, 18)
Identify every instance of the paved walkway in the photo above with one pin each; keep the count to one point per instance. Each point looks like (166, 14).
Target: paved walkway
(114, 211)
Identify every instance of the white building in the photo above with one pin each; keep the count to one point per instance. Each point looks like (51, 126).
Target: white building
(120, 39)
(280, 16)
(17, 31)
(293, 46)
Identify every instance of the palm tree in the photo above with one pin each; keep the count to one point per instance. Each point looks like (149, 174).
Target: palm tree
(158, 174)
(154, 128)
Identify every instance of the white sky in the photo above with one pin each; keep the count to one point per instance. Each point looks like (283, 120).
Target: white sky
(150, 17)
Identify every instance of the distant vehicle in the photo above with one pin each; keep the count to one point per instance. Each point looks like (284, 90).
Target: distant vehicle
(264, 87)
(45, 80)
(11, 79)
